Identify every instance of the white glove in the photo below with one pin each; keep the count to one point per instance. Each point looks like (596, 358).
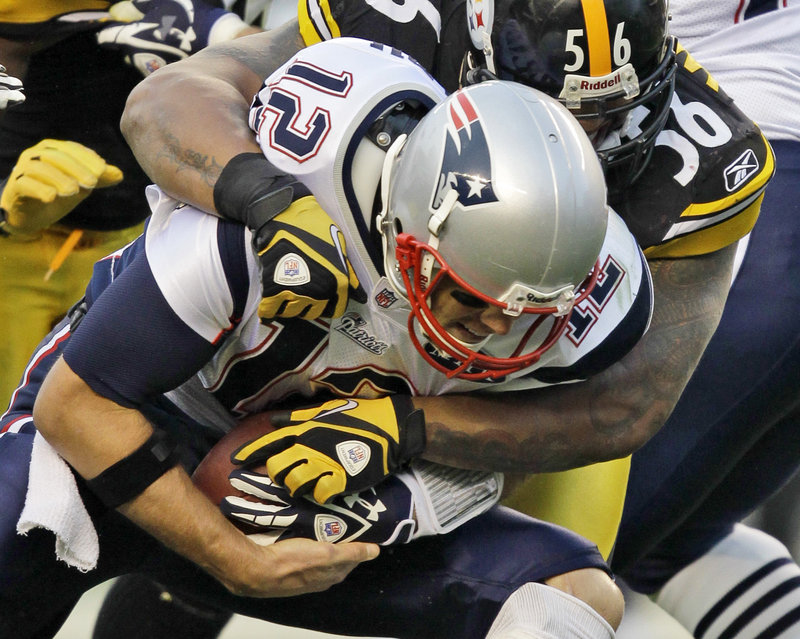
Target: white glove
(11, 91)
(165, 31)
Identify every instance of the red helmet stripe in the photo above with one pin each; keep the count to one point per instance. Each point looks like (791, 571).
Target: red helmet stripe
(597, 36)
(454, 117)
(469, 109)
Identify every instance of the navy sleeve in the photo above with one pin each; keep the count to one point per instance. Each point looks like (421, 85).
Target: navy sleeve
(131, 346)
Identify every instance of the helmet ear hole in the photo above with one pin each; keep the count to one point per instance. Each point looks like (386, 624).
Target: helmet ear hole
(398, 226)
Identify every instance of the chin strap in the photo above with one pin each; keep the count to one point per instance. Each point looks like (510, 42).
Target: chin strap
(381, 222)
(488, 53)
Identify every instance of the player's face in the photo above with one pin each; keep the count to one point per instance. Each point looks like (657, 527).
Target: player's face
(597, 128)
(466, 317)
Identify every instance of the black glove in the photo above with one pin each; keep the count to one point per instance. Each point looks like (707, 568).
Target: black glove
(426, 499)
(383, 516)
(340, 447)
(167, 30)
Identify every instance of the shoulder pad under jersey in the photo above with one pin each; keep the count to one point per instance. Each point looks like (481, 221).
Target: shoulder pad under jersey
(413, 26)
(316, 109)
(703, 185)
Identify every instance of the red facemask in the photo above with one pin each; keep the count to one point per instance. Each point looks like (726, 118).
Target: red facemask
(415, 259)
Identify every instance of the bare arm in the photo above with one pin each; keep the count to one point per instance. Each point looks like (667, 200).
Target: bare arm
(167, 122)
(185, 122)
(15, 56)
(610, 415)
(92, 433)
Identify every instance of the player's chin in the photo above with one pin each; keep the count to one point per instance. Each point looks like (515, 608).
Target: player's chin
(464, 334)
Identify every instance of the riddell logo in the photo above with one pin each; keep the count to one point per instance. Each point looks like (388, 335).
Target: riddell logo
(601, 85)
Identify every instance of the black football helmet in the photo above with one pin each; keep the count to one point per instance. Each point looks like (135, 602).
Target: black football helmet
(601, 58)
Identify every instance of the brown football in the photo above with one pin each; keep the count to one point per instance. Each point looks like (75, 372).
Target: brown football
(211, 476)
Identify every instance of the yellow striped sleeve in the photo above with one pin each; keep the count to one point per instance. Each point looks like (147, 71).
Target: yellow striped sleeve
(32, 11)
(729, 229)
(316, 22)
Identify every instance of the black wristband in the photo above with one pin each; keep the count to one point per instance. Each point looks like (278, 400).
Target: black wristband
(130, 476)
(252, 191)
(412, 425)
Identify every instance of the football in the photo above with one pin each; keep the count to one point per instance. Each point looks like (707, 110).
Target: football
(211, 475)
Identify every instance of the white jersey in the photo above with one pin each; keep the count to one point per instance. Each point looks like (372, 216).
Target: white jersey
(310, 117)
(753, 50)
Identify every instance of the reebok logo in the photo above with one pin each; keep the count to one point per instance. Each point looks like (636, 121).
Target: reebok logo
(740, 170)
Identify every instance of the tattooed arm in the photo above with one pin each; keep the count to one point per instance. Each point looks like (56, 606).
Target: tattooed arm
(610, 415)
(166, 119)
(166, 123)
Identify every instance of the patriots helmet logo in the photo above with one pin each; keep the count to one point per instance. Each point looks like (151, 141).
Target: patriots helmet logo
(466, 162)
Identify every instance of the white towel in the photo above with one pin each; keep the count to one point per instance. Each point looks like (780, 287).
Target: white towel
(53, 503)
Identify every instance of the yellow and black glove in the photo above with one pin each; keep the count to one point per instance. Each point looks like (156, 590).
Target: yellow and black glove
(49, 180)
(342, 446)
(305, 272)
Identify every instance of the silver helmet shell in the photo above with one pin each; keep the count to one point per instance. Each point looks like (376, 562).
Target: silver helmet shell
(500, 186)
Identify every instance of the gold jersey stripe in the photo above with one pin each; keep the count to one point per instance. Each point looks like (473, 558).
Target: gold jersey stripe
(597, 35)
(710, 239)
(30, 11)
(731, 230)
(700, 209)
(692, 66)
(308, 12)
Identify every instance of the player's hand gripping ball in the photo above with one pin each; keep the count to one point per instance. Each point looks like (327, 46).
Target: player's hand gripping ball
(267, 513)
(339, 447)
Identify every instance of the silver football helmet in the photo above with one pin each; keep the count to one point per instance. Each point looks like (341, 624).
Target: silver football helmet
(499, 189)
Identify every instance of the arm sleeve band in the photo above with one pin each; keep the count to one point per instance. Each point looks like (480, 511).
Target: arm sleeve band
(130, 476)
(252, 191)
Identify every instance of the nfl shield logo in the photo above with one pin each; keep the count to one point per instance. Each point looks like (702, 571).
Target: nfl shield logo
(385, 298)
(291, 270)
(291, 267)
(356, 455)
(328, 528)
(353, 455)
